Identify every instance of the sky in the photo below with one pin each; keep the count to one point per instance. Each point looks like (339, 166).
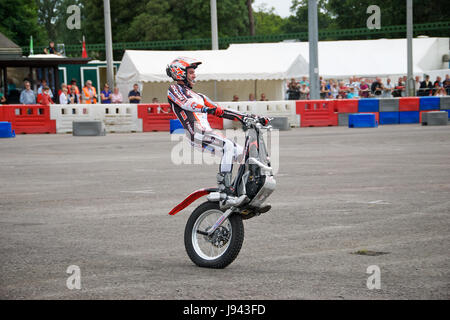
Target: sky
(281, 6)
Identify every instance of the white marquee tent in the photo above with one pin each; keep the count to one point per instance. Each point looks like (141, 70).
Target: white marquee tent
(222, 74)
(264, 67)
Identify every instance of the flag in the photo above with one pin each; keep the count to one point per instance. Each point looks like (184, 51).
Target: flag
(84, 52)
(31, 45)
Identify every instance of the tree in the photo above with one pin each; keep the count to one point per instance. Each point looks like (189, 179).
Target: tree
(19, 21)
(267, 22)
(353, 14)
(299, 22)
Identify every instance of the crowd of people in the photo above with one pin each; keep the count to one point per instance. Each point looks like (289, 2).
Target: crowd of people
(72, 94)
(251, 97)
(355, 88)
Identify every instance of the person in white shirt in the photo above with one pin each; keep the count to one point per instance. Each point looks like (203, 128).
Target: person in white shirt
(387, 90)
(63, 97)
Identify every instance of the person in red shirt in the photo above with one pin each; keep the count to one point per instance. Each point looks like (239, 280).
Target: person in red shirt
(44, 97)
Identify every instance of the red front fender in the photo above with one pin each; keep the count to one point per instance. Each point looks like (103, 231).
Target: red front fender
(191, 198)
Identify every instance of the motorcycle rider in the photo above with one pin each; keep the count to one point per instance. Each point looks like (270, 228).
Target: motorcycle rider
(192, 108)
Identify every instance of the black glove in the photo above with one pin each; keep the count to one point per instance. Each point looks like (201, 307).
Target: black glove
(264, 121)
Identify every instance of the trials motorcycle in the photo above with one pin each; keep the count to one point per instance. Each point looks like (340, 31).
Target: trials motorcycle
(214, 232)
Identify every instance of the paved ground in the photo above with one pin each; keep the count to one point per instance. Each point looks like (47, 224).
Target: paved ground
(101, 203)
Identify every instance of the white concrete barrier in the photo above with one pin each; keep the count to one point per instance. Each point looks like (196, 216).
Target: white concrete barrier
(65, 114)
(115, 117)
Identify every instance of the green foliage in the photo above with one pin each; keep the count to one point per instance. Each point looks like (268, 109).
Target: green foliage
(19, 21)
(267, 22)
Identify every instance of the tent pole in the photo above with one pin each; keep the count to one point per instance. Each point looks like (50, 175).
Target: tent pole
(409, 35)
(108, 46)
(313, 39)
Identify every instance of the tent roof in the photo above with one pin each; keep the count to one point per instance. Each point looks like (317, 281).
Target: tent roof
(269, 63)
(285, 60)
(381, 57)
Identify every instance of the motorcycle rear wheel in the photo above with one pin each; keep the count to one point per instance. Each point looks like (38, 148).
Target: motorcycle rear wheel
(222, 247)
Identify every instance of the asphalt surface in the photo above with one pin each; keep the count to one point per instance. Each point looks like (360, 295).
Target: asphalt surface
(102, 203)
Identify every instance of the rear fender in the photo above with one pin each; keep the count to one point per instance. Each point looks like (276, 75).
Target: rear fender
(191, 198)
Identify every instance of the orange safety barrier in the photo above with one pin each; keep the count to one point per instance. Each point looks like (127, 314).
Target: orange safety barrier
(316, 113)
(33, 118)
(157, 116)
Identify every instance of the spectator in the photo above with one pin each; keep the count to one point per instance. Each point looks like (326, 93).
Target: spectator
(353, 93)
(339, 96)
(446, 84)
(155, 100)
(74, 97)
(377, 87)
(343, 89)
(73, 83)
(51, 49)
(64, 96)
(41, 87)
(105, 95)
(27, 95)
(293, 90)
(387, 89)
(44, 97)
(324, 91)
(134, 96)
(263, 97)
(334, 90)
(2, 98)
(304, 92)
(251, 97)
(364, 89)
(63, 85)
(399, 88)
(440, 92)
(304, 81)
(89, 95)
(417, 85)
(116, 97)
(437, 84)
(235, 98)
(426, 87)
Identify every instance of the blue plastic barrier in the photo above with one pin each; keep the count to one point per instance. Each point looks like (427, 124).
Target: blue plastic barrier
(409, 117)
(6, 130)
(356, 120)
(389, 117)
(429, 103)
(176, 126)
(369, 105)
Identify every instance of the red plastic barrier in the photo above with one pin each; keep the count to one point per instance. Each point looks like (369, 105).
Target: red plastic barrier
(377, 115)
(33, 118)
(346, 105)
(409, 104)
(156, 117)
(316, 113)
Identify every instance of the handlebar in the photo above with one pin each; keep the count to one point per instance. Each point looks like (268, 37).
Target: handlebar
(246, 119)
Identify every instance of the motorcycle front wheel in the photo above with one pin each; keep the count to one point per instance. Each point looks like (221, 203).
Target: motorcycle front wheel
(219, 249)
